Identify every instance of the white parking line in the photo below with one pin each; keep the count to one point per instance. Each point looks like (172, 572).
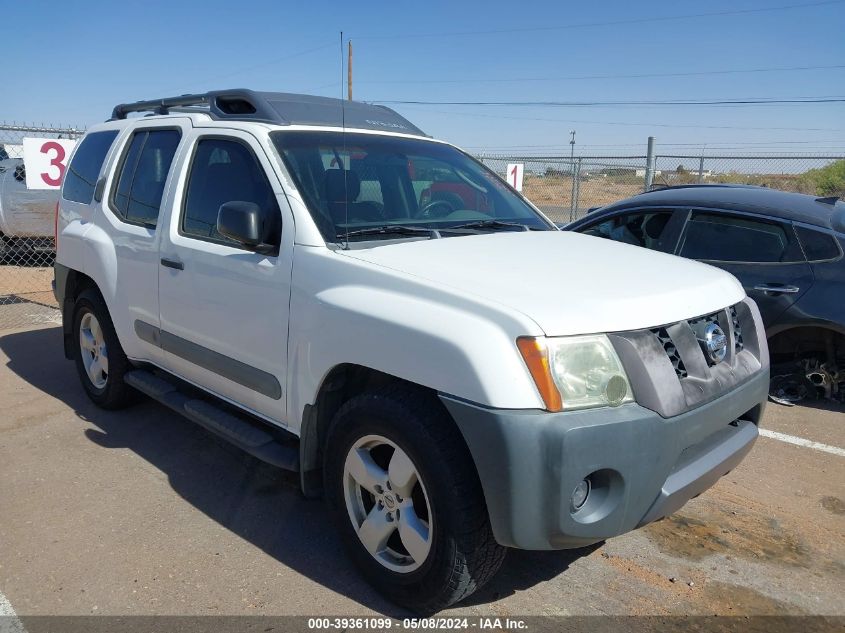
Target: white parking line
(9, 622)
(800, 441)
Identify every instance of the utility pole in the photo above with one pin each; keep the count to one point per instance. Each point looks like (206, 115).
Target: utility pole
(649, 164)
(349, 72)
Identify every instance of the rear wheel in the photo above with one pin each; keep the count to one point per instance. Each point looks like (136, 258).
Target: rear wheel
(100, 361)
(405, 496)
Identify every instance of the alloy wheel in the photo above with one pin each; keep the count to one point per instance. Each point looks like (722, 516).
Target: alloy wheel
(387, 503)
(93, 349)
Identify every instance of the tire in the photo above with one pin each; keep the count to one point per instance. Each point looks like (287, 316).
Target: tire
(92, 323)
(408, 431)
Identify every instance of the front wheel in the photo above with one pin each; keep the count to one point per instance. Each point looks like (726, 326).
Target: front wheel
(405, 496)
(100, 361)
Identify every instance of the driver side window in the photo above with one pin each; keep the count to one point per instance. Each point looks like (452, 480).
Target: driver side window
(223, 171)
(643, 228)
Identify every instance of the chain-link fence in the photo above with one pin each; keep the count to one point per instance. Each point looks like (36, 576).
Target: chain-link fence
(802, 174)
(565, 188)
(27, 248)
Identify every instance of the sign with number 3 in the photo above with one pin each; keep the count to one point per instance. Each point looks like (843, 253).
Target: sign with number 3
(45, 161)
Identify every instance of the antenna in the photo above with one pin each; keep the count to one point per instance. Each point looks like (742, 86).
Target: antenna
(349, 71)
(342, 165)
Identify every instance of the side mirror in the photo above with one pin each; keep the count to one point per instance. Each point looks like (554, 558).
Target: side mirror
(245, 223)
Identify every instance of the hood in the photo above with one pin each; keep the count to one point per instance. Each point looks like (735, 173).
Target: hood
(567, 283)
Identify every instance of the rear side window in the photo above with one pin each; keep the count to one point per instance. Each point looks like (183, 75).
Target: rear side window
(728, 238)
(81, 177)
(143, 173)
(817, 246)
(223, 171)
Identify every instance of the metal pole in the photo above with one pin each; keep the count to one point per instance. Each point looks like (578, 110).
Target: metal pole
(701, 169)
(649, 164)
(577, 184)
(572, 168)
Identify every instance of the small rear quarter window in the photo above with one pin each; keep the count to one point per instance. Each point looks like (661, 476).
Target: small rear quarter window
(818, 246)
(81, 177)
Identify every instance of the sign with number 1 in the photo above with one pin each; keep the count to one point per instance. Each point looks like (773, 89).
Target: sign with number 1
(45, 161)
(514, 175)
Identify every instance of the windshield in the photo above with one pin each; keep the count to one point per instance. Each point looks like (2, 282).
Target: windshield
(355, 182)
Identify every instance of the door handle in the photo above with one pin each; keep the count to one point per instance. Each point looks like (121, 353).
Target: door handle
(777, 288)
(172, 263)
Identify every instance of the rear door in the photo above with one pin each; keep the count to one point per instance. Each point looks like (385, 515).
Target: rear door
(763, 253)
(224, 308)
(136, 192)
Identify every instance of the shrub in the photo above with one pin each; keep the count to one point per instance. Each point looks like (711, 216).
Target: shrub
(828, 180)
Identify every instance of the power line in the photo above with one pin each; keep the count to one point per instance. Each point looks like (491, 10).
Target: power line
(580, 104)
(246, 69)
(628, 123)
(583, 77)
(563, 27)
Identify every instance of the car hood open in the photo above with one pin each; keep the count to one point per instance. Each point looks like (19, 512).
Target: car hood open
(566, 282)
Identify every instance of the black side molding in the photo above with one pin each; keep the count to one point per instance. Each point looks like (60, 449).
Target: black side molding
(251, 377)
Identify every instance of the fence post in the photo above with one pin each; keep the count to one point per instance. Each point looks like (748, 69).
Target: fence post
(649, 164)
(577, 188)
(701, 169)
(572, 190)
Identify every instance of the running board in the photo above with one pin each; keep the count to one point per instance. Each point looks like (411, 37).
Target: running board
(247, 435)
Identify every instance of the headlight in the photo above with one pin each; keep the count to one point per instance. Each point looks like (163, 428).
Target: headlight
(576, 372)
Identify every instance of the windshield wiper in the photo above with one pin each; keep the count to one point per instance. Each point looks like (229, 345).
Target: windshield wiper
(493, 225)
(391, 229)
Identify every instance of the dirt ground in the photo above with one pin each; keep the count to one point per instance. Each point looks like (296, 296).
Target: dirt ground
(26, 295)
(592, 192)
(32, 283)
(141, 512)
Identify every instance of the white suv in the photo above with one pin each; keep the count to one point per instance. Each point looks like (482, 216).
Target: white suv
(378, 311)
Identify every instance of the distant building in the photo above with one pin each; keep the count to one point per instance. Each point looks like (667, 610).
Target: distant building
(640, 173)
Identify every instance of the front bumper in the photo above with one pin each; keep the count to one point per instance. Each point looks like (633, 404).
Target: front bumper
(642, 466)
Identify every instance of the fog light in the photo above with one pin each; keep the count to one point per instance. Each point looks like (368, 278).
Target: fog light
(580, 494)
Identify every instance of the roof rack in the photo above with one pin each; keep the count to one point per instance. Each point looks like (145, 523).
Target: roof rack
(278, 108)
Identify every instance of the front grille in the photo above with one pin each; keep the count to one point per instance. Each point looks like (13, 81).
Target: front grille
(710, 318)
(726, 319)
(737, 330)
(671, 351)
(669, 370)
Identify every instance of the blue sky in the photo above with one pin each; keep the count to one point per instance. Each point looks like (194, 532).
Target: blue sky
(71, 62)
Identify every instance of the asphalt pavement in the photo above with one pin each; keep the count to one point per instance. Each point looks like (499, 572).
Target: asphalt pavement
(142, 512)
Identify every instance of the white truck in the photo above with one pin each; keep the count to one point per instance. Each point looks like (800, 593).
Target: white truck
(26, 215)
(455, 375)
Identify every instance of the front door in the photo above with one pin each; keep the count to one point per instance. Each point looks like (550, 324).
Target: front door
(224, 308)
